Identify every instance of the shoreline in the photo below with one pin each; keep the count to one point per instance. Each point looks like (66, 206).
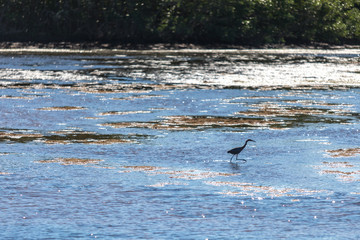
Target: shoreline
(162, 46)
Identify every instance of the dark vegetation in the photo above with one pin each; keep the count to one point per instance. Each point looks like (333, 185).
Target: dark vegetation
(242, 22)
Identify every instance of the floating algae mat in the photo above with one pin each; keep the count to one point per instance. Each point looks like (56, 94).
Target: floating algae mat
(65, 108)
(194, 122)
(349, 152)
(131, 144)
(71, 161)
(66, 137)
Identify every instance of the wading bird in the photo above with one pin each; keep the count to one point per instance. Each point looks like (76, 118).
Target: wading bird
(236, 151)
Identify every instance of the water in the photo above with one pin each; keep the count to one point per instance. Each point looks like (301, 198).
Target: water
(132, 144)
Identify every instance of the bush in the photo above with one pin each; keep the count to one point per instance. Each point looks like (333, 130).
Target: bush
(196, 21)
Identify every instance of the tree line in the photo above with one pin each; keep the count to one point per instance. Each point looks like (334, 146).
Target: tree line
(243, 22)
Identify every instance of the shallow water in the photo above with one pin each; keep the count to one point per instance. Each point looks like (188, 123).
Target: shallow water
(132, 144)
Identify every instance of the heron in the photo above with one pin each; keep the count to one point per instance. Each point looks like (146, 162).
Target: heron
(236, 151)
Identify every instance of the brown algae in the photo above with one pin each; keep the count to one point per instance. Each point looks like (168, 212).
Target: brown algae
(195, 122)
(142, 168)
(121, 113)
(278, 110)
(19, 136)
(343, 171)
(68, 137)
(263, 115)
(71, 161)
(348, 152)
(63, 108)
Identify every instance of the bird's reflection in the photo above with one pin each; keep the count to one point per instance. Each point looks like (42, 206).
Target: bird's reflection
(236, 165)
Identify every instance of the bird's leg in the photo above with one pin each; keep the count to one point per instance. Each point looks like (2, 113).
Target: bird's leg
(232, 157)
(240, 159)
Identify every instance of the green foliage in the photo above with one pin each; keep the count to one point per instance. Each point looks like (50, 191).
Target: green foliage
(199, 21)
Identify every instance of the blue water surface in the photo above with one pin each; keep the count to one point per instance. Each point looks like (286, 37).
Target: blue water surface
(110, 146)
